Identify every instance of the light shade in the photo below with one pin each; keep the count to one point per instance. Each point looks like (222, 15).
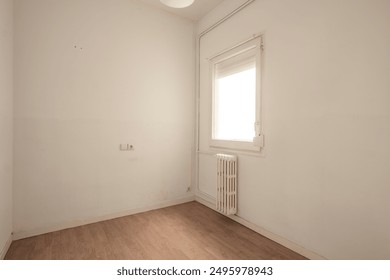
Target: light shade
(177, 3)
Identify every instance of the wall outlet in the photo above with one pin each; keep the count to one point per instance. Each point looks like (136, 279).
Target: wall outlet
(126, 147)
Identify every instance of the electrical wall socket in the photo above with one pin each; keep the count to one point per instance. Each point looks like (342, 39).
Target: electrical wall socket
(126, 147)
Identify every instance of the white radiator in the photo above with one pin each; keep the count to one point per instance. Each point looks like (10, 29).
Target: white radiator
(227, 184)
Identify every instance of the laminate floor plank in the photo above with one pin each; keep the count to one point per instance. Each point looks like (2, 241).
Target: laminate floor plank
(185, 231)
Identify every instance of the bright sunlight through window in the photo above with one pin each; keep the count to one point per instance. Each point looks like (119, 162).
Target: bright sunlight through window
(235, 122)
(235, 106)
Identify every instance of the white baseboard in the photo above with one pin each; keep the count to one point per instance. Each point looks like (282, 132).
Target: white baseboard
(6, 247)
(274, 237)
(24, 234)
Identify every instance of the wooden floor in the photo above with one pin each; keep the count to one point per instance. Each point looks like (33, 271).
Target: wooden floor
(186, 231)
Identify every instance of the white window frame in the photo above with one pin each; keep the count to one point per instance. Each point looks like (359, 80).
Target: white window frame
(257, 143)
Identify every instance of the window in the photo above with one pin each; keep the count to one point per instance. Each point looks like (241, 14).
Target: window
(236, 98)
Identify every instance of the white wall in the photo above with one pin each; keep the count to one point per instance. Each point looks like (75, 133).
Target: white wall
(90, 75)
(323, 180)
(6, 120)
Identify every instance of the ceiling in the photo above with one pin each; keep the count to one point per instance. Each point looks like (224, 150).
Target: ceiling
(194, 12)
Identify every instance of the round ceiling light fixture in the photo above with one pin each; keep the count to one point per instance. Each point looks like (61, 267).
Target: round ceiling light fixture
(177, 3)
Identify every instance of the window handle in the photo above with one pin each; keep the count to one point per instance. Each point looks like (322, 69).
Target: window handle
(257, 128)
(258, 141)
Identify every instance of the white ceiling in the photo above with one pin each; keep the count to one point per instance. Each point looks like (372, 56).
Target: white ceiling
(194, 12)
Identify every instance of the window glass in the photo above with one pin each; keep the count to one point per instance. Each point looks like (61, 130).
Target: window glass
(235, 106)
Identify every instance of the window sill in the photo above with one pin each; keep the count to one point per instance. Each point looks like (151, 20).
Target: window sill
(235, 145)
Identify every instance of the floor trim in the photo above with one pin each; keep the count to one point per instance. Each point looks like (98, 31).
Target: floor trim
(6, 247)
(39, 231)
(278, 239)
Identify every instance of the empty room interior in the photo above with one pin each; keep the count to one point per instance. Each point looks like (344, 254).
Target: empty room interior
(227, 129)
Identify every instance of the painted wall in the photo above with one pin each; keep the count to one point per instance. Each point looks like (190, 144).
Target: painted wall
(6, 120)
(323, 178)
(90, 75)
